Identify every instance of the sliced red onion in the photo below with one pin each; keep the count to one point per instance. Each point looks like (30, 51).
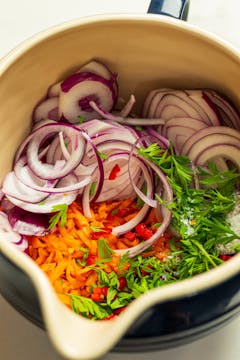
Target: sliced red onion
(27, 223)
(7, 233)
(42, 123)
(161, 140)
(123, 120)
(52, 200)
(97, 68)
(228, 114)
(128, 107)
(48, 171)
(123, 136)
(151, 102)
(23, 244)
(112, 188)
(83, 170)
(175, 105)
(54, 90)
(142, 213)
(95, 127)
(6, 205)
(214, 132)
(149, 182)
(63, 146)
(218, 151)
(47, 109)
(168, 197)
(199, 97)
(27, 179)
(181, 129)
(1, 194)
(12, 187)
(169, 103)
(94, 67)
(99, 164)
(78, 90)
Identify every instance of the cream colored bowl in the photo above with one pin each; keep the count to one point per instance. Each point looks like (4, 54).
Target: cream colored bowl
(146, 51)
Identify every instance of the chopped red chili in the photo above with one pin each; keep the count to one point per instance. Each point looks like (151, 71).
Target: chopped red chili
(225, 257)
(110, 317)
(96, 297)
(142, 231)
(114, 172)
(98, 234)
(131, 236)
(91, 260)
(122, 283)
(118, 311)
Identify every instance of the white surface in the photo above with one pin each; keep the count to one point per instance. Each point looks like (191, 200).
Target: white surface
(19, 339)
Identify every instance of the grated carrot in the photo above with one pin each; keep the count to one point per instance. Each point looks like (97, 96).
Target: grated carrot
(60, 253)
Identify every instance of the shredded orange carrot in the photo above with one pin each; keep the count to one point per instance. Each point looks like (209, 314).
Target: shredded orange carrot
(60, 254)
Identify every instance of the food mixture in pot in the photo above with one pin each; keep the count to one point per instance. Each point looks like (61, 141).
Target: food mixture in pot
(111, 204)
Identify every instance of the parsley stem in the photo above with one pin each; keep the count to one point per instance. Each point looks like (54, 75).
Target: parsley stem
(204, 252)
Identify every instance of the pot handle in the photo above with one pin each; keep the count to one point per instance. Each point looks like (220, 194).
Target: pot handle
(174, 8)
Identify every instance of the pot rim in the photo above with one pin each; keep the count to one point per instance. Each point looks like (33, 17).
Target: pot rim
(181, 289)
(181, 25)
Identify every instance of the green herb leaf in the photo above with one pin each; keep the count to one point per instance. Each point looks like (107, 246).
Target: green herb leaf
(81, 119)
(111, 294)
(104, 251)
(102, 155)
(61, 215)
(157, 225)
(95, 229)
(92, 188)
(123, 260)
(88, 308)
(198, 214)
(140, 202)
(83, 261)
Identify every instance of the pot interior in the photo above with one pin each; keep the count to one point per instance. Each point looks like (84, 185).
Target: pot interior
(146, 52)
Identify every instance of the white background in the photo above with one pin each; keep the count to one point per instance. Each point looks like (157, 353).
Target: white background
(19, 19)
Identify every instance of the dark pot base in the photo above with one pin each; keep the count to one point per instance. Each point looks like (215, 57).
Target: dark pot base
(176, 339)
(163, 326)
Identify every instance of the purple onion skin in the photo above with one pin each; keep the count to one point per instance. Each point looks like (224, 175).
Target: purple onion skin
(33, 223)
(211, 105)
(76, 78)
(84, 102)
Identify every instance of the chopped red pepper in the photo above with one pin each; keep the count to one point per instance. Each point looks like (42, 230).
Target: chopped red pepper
(124, 212)
(96, 297)
(131, 236)
(122, 283)
(97, 290)
(142, 231)
(225, 257)
(104, 291)
(118, 311)
(96, 235)
(91, 260)
(110, 317)
(114, 172)
(101, 291)
(145, 272)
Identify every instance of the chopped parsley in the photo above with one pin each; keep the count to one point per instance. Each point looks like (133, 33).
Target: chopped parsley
(81, 119)
(199, 214)
(102, 155)
(92, 188)
(95, 228)
(61, 215)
